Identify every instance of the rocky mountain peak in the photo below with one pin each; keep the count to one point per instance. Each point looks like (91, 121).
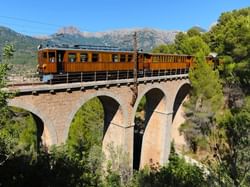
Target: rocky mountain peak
(148, 38)
(71, 30)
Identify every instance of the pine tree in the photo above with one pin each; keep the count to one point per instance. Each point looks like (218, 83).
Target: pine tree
(8, 52)
(205, 101)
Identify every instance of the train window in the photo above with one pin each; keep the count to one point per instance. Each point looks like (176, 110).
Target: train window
(178, 59)
(122, 58)
(175, 59)
(157, 58)
(72, 57)
(147, 56)
(130, 58)
(44, 54)
(84, 57)
(52, 56)
(95, 57)
(114, 57)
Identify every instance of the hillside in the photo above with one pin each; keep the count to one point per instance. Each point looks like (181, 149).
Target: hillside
(26, 46)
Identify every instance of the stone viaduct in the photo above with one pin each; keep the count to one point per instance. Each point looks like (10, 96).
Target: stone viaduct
(56, 105)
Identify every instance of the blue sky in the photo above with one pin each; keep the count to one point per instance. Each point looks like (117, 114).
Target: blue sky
(46, 17)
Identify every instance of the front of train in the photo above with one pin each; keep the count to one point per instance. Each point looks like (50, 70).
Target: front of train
(46, 63)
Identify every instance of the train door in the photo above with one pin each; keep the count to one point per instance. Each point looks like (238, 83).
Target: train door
(146, 61)
(140, 62)
(60, 63)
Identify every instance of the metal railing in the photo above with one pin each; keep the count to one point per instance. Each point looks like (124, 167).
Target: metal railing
(91, 76)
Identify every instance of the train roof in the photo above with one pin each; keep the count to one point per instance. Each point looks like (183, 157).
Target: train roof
(100, 49)
(167, 54)
(85, 47)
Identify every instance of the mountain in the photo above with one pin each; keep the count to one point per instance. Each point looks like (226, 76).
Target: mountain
(26, 45)
(147, 38)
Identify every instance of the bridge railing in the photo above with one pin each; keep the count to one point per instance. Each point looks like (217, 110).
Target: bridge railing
(107, 75)
(29, 78)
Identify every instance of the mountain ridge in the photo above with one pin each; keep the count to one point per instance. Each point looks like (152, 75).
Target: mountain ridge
(26, 46)
(148, 38)
(72, 30)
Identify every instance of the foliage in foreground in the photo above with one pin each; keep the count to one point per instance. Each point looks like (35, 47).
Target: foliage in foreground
(177, 173)
(58, 169)
(232, 145)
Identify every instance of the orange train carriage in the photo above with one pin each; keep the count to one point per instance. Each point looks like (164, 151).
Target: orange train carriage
(80, 59)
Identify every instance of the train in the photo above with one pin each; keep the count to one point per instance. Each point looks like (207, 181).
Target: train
(54, 62)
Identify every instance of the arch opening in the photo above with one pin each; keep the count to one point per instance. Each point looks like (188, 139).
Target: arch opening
(28, 127)
(179, 117)
(95, 122)
(149, 121)
(39, 130)
(180, 97)
(111, 112)
(49, 135)
(86, 128)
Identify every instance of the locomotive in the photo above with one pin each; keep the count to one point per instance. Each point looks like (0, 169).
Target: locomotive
(55, 61)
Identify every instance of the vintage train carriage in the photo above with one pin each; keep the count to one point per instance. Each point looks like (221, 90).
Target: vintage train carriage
(60, 60)
(55, 61)
(167, 61)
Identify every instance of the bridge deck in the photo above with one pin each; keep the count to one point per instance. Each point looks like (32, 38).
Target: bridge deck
(33, 88)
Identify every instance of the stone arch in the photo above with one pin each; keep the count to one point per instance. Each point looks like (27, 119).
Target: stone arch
(115, 116)
(141, 94)
(180, 96)
(178, 117)
(152, 149)
(49, 135)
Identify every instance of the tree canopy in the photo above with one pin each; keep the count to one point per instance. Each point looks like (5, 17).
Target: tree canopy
(218, 93)
(231, 35)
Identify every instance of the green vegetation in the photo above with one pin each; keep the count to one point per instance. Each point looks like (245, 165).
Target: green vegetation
(205, 102)
(230, 35)
(24, 57)
(87, 127)
(176, 173)
(232, 149)
(17, 127)
(8, 52)
(191, 43)
(217, 125)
